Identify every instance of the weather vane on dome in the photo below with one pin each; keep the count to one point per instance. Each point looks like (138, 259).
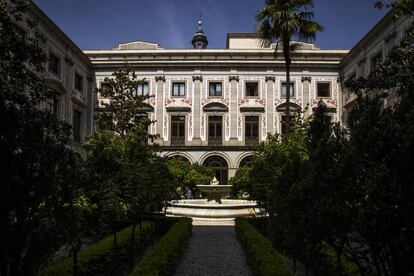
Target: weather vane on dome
(200, 27)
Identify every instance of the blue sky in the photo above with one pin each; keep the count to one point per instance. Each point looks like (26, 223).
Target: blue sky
(101, 24)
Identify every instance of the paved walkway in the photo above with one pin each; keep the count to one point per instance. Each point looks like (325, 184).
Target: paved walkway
(213, 250)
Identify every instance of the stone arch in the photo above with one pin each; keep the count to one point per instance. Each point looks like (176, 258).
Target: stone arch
(247, 161)
(220, 167)
(185, 155)
(219, 153)
(242, 157)
(215, 107)
(292, 106)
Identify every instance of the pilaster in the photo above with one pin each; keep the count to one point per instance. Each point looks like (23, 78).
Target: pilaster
(270, 80)
(160, 81)
(306, 80)
(233, 112)
(196, 109)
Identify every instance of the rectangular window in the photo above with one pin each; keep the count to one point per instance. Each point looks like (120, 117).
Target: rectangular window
(361, 68)
(76, 125)
(215, 89)
(177, 130)
(55, 107)
(54, 64)
(143, 89)
(215, 130)
(78, 82)
(251, 132)
(323, 89)
(178, 89)
(291, 89)
(252, 89)
(376, 61)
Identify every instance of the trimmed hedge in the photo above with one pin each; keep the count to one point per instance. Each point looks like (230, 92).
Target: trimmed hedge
(101, 258)
(262, 258)
(163, 258)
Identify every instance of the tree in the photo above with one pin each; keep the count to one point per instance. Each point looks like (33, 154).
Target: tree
(283, 21)
(39, 174)
(188, 175)
(381, 141)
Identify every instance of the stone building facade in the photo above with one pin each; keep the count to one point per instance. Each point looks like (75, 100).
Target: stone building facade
(67, 70)
(213, 106)
(365, 57)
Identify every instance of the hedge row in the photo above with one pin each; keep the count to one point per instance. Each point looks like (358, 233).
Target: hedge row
(262, 258)
(163, 258)
(101, 258)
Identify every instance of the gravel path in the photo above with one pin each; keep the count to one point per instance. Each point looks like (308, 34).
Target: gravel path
(213, 250)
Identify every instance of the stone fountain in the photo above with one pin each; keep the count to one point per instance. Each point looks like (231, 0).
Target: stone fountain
(214, 206)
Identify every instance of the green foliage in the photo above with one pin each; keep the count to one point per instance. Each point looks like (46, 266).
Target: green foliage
(340, 199)
(124, 177)
(189, 175)
(101, 258)
(283, 21)
(262, 258)
(241, 182)
(163, 258)
(39, 173)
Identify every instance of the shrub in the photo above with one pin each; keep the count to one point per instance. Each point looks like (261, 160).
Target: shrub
(101, 258)
(262, 258)
(349, 268)
(163, 258)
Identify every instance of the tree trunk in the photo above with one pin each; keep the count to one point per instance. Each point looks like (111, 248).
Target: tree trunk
(131, 260)
(141, 233)
(114, 237)
(75, 262)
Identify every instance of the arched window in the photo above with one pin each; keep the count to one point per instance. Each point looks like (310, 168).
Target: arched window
(220, 168)
(246, 161)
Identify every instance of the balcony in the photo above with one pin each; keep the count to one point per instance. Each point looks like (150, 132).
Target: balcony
(251, 141)
(215, 141)
(178, 141)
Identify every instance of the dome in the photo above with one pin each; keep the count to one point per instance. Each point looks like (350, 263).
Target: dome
(199, 40)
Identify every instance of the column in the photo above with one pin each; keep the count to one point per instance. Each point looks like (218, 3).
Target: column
(270, 80)
(233, 112)
(196, 109)
(159, 108)
(306, 94)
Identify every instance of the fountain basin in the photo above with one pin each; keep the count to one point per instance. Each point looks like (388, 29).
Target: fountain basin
(215, 192)
(202, 208)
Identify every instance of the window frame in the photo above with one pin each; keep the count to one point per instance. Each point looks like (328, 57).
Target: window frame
(59, 63)
(75, 82)
(77, 126)
(257, 89)
(178, 83)
(215, 83)
(292, 85)
(141, 93)
(178, 140)
(330, 89)
(251, 140)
